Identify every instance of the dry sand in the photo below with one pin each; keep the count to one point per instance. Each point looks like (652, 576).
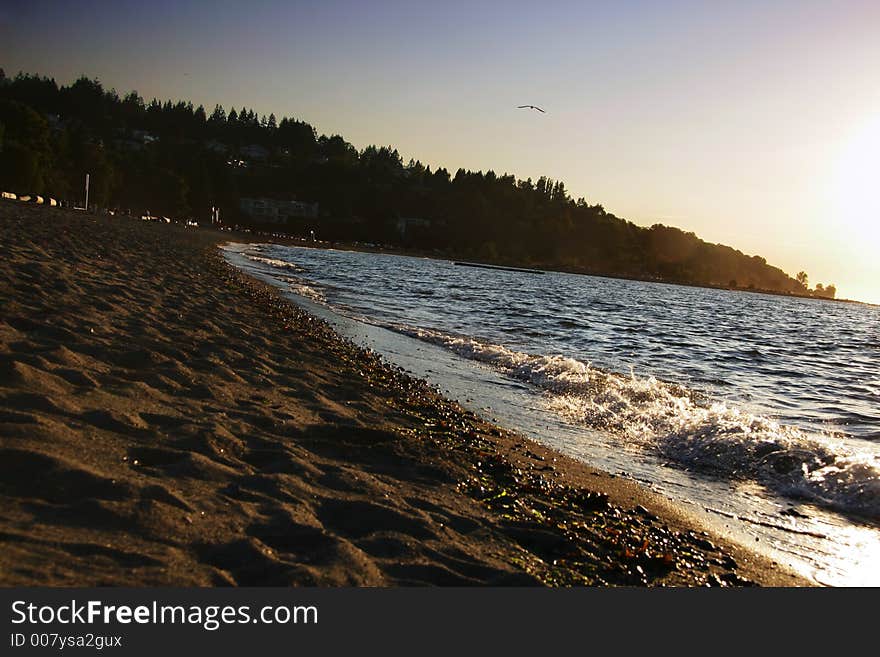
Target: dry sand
(165, 420)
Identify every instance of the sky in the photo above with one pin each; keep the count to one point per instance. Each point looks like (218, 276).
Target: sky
(753, 124)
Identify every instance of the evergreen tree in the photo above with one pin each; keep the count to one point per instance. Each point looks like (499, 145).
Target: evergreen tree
(218, 116)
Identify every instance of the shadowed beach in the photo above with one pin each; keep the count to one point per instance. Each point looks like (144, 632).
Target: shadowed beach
(166, 420)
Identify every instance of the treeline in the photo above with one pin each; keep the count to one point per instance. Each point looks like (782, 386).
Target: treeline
(180, 160)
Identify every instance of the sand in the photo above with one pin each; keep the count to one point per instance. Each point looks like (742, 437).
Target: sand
(166, 420)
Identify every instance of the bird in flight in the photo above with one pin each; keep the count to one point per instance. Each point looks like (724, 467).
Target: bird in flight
(530, 107)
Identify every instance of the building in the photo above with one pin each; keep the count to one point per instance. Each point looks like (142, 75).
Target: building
(275, 211)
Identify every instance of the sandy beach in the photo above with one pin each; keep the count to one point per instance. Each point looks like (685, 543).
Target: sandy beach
(166, 420)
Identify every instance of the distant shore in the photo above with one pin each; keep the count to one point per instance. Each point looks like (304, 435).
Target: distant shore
(279, 238)
(166, 420)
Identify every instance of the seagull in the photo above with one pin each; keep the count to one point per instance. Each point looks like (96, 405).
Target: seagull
(530, 107)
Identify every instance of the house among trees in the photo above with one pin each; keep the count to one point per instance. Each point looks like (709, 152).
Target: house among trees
(275, 211)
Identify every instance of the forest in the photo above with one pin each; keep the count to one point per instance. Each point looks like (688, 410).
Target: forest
(174, 159)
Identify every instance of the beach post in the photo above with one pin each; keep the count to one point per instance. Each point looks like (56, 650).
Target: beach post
(87, 193)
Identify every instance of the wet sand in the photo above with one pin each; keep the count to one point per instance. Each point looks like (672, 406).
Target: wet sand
(166, 420)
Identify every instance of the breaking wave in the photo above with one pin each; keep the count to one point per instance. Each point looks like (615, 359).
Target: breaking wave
(295, 284)
(689, 429)
(272, 262)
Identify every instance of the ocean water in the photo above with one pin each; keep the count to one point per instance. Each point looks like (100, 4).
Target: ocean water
(759, 413)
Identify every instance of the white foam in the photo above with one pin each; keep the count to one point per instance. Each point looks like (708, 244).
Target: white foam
(689, 429)
(272, 262)
(295, 284)
(307, 291)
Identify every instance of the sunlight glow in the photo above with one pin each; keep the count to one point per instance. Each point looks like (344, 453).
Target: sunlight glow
(854, 210)
(855, 186)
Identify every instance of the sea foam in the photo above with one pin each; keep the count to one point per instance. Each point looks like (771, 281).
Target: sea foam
(296, 285)
(679, 425)
(273, 262)
(689, 429)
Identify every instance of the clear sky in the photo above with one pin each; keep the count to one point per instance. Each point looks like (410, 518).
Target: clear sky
(752, 123)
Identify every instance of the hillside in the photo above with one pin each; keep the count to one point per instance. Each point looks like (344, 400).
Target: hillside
(175, 159)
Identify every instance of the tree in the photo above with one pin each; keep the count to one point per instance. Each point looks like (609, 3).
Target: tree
(21, 169)
(218, 116)
(169, 193)
(826, 292)
(26, 156)
(133, 109)
(298, 137)
(802, 278)
(85, 97)
(94, 160)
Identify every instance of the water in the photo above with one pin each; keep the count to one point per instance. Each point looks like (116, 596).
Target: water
(758, 412)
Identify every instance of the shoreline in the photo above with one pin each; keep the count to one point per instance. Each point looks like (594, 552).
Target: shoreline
(191, 427)
(289, 240)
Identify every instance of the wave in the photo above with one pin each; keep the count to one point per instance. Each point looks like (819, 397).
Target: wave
(672, 421)
(306, 290)
(683, 426)
(300, 286)
(272, 262)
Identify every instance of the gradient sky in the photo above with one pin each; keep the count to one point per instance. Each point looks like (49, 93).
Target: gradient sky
(754, 124)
